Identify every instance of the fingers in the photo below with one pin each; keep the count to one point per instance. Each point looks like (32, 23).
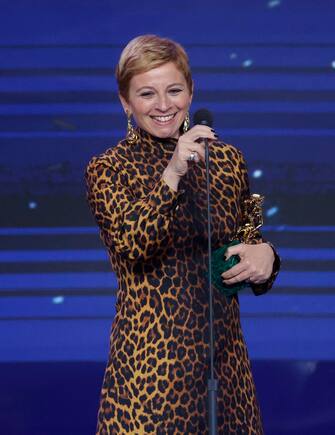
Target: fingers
(200, 131)
(237, 273)
(191, 142)
(185, 152)
(256, 262)
(196, 148)
(238, 278)
(235, 250)
(234, 271)
(242, 271)
(190, 147)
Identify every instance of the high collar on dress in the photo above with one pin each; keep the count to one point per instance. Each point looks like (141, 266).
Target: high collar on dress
(153, 142)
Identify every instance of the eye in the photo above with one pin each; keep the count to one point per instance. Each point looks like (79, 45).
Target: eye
(146, 94)
(175, 91)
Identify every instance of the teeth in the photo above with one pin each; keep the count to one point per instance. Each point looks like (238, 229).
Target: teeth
(163, 118)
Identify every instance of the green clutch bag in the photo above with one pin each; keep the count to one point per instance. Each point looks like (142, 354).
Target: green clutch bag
(220, 265)
(252, 220)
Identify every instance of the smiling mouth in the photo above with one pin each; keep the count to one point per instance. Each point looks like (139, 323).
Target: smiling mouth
(165, 118)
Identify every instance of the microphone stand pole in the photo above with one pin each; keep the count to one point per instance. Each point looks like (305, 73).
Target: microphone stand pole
(212, 382)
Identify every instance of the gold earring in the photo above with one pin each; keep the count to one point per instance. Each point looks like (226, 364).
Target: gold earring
(132, 136)
(186, 124)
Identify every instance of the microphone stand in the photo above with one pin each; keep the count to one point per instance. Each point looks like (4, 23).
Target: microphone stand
(212, 382)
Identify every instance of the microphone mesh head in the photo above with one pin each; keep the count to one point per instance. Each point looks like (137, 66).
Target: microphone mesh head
(203, 117)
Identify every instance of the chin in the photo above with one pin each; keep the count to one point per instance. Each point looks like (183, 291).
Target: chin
(165, 132)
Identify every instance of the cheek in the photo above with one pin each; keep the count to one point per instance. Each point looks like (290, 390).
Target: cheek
(141, 109)
(186, 102)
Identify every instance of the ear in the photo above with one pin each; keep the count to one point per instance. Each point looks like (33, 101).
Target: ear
(191, 96)
(125, 105)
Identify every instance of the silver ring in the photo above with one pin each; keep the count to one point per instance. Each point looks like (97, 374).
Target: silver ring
(193, 156)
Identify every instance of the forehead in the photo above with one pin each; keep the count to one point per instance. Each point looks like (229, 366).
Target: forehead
(163, 75)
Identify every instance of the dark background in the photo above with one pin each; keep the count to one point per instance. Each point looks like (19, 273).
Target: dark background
(266, 69)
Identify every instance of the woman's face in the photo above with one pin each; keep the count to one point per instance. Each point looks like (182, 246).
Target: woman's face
(159, 100)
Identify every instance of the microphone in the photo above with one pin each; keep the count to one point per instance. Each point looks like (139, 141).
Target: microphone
(203, 117)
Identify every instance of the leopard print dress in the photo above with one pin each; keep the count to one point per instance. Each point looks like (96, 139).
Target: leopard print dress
(156, 377)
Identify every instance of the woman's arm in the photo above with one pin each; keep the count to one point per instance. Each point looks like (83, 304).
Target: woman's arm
(260, 262)
(135, 228)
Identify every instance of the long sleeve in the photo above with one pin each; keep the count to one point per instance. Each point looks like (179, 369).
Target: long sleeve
(258, 289)
(134, 227)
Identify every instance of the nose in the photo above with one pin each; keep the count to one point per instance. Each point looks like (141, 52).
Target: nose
(163, 103)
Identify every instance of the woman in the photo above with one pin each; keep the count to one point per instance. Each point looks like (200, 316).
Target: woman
(148, 196)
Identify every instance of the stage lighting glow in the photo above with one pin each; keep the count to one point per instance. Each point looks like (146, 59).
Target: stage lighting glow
(257, 173)
(273, 3)
(333, 64)
(58, 300)
(272, 211)
(247, 63)
(32, 205)
(307, 367)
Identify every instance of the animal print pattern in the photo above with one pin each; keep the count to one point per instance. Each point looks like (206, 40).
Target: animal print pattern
(156, 377)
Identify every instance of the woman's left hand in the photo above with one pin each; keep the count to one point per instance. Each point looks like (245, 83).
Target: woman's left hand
(255, 266)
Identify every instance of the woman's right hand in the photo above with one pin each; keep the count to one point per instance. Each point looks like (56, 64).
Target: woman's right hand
(187, 144)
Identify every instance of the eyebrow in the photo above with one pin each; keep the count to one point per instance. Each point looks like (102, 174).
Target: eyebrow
(152, 87)
(176, 84)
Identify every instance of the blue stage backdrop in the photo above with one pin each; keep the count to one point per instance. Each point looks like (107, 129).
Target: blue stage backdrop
(265, 68)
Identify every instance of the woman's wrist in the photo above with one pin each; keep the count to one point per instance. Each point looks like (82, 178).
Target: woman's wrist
(271, 250)
(171, 179)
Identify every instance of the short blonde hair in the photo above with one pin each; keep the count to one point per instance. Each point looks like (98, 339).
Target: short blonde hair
(146, 52)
